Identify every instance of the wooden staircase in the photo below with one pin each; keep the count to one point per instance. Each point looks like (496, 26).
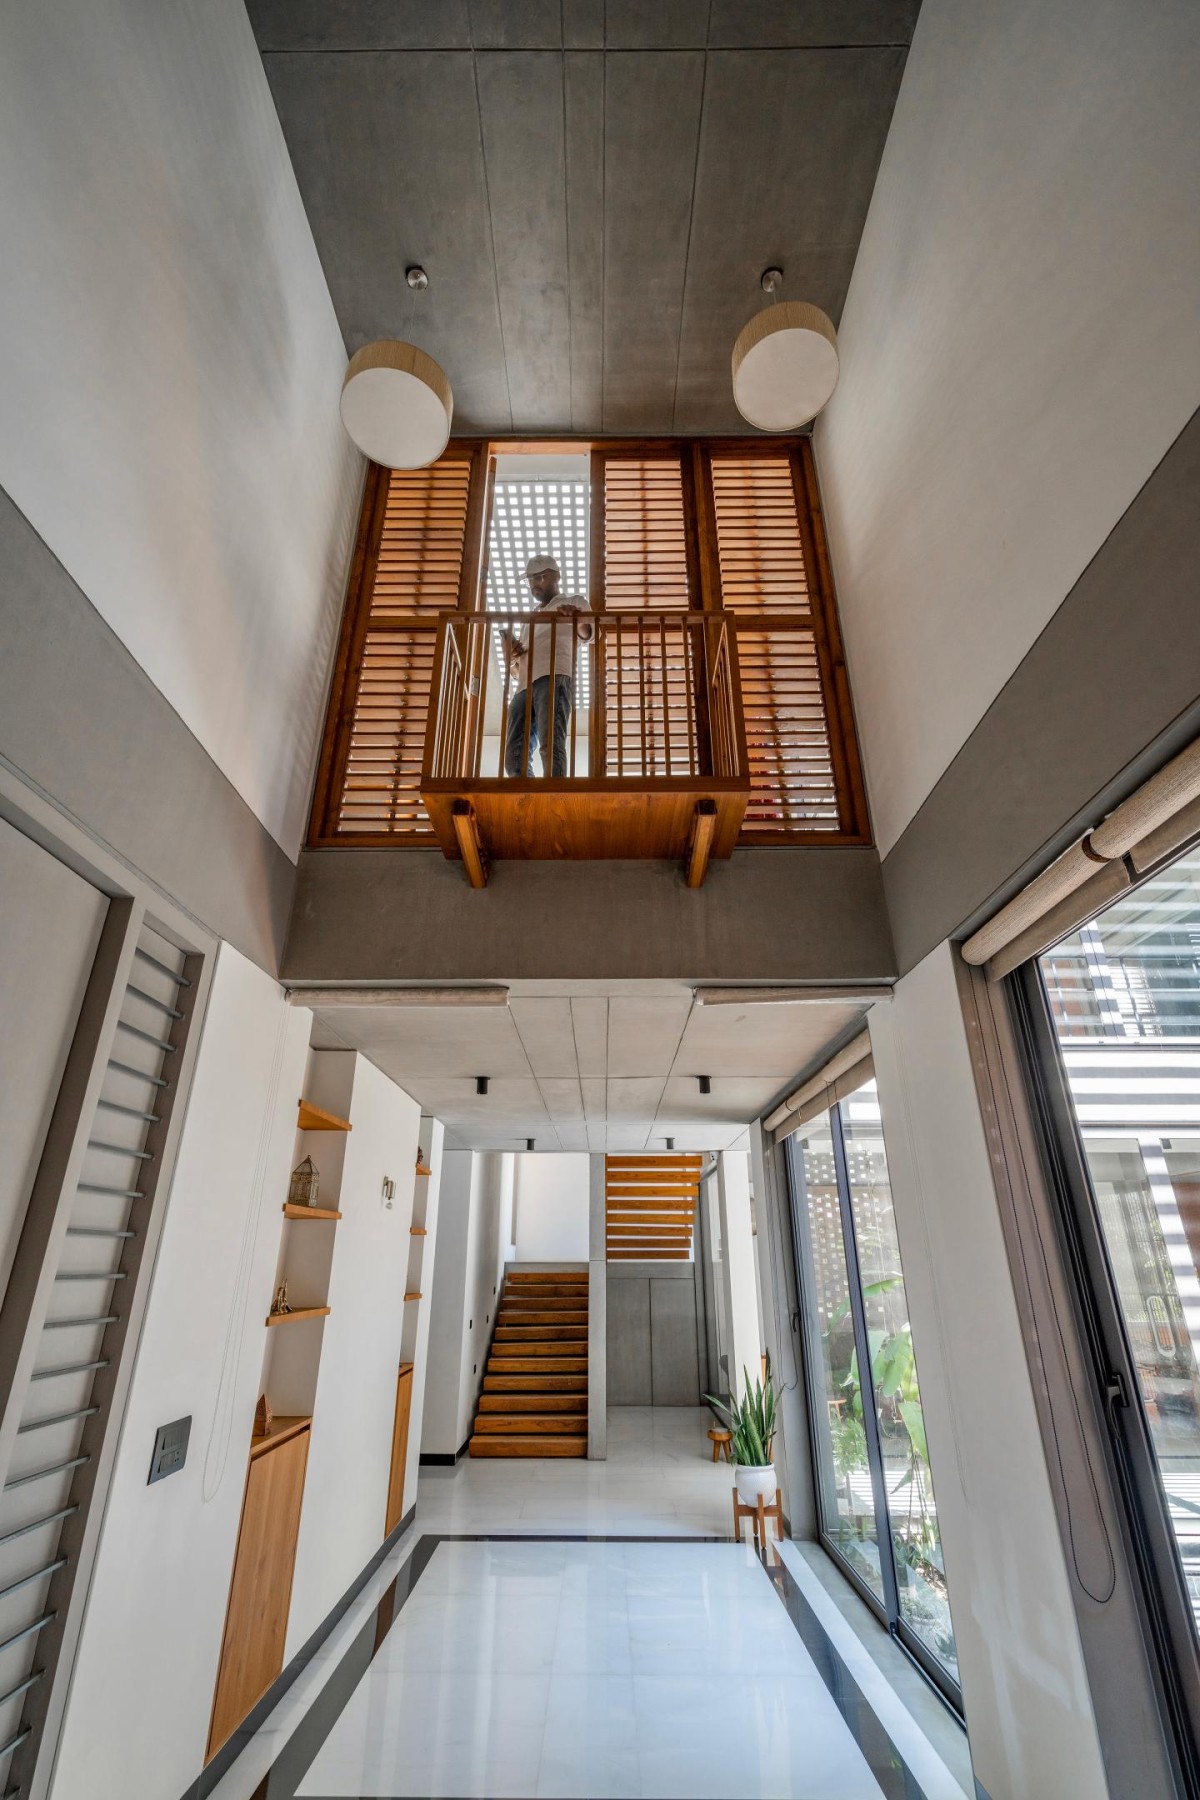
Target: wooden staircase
(535, 1389)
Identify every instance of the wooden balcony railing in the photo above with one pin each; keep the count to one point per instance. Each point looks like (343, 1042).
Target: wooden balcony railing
(651, 759)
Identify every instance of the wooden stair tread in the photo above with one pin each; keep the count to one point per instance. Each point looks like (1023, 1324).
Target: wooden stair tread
(534, 1384)
(535, 1402)
(527, 1424)
(528, 1365)
(528, 1446)
(532, 1277)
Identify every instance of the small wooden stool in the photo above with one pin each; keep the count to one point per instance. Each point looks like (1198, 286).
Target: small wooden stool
(720, 1441)
(759, 1514)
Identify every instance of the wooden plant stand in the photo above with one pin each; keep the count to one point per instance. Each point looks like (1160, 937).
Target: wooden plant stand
(759, 1514)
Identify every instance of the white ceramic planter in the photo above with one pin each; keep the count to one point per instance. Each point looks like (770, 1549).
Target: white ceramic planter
(752, 1482)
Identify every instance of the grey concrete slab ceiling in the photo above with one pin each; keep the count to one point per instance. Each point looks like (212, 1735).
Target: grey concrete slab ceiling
(594, 188)
(599, 1070)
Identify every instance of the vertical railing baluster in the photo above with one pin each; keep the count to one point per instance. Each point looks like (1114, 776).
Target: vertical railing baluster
(575, 693)
(666, 711)
(688, 678)
(619, 697)
(551, 700)
(641, 656)
(500, 770)
(527, 732)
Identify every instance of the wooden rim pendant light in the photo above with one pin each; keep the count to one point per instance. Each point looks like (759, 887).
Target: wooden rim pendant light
(397, 403)
(785, 363)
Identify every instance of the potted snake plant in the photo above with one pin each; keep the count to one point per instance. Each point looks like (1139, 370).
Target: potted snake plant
(751, 1422)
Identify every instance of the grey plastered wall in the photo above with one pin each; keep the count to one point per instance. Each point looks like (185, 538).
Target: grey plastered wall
(653, 1334)
(389, 915)
(82, 722)
(1108, 692)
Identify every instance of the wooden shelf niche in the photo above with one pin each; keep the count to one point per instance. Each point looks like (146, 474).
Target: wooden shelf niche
(261, 1585)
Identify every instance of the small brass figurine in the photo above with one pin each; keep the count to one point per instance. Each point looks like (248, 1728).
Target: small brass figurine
(280, 1304)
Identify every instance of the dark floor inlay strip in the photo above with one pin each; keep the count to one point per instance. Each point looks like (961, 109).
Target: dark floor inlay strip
(882, 1757)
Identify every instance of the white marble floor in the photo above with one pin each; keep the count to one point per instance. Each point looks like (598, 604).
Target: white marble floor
(526, 1661)
(577, 1669)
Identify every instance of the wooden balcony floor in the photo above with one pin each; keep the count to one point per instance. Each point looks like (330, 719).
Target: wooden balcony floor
(584, 820)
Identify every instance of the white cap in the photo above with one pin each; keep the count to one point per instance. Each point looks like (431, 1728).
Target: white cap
(537, 565)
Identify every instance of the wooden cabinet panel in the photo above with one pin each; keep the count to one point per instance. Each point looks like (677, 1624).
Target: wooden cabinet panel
(261, 1590)
(395, 1499)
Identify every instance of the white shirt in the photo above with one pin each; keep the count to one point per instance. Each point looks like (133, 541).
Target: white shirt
(567, 647)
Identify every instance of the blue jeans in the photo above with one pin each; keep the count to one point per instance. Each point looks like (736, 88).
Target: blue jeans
(539, 725)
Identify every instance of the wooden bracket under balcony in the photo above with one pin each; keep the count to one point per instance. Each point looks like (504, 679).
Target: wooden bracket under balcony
(469, 842)
(704, 830)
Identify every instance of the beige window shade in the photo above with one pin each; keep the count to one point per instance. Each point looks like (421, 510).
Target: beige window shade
(1159, 819)
(843, 1074)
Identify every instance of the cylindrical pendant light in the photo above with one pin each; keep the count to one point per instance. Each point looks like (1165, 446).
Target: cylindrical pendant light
(397, 404)
(785, 363)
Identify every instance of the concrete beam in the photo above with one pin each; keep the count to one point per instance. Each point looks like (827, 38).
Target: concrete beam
(400, 915)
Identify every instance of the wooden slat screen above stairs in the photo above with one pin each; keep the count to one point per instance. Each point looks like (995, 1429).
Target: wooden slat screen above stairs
(650, 1207)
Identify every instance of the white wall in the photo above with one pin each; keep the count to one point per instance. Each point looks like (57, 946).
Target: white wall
(474, 1227)
(439, 1429)
(490, 1235)
(737, 1270)
(550, 1208)
(1028, 1706)
(170, 366)
(1020, 345)
(350, 1451)
(50, 923)
(138, 1714)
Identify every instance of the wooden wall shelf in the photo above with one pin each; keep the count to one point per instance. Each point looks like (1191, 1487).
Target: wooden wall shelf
(417, 1231)
(315, 1118)
(300, 1312)
(414, 1295)
(424, 1169)
(282, 1428)
(309, 1212)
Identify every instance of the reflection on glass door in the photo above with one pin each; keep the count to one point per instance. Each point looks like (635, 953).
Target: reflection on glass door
(1124, 997)
(871, 1455)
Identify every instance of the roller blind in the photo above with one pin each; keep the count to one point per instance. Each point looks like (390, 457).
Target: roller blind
(844, 1073)
(1160, 818)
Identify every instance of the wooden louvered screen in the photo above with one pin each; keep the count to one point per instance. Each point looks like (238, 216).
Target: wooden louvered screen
(768, 568)
(417, 557)
(650, 1207)
(419, 563)
(643, 533)
(759, 547)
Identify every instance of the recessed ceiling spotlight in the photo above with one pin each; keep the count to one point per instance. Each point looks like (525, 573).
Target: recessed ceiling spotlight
(785, 362)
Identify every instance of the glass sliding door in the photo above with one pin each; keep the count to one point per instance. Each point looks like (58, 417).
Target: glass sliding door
(874, 1485)
(1111, 1019)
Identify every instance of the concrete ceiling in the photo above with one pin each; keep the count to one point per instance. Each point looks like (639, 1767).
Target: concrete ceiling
(594, 186)
(591, 1066)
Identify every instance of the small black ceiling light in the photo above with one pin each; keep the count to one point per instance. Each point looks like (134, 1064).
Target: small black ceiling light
(670, 1143)
(705, 1083)
(529, 1143)
(481, 1084)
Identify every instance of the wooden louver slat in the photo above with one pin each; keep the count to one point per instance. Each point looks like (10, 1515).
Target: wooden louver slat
(759, 546)
(646, 561)
(420, 560)
(792, 785)
(381, 789)
(650, 1206)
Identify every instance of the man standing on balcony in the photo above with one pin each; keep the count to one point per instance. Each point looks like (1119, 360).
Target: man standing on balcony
(529, 666)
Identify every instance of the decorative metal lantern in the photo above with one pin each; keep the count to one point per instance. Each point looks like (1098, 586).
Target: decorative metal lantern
(302, 1189)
